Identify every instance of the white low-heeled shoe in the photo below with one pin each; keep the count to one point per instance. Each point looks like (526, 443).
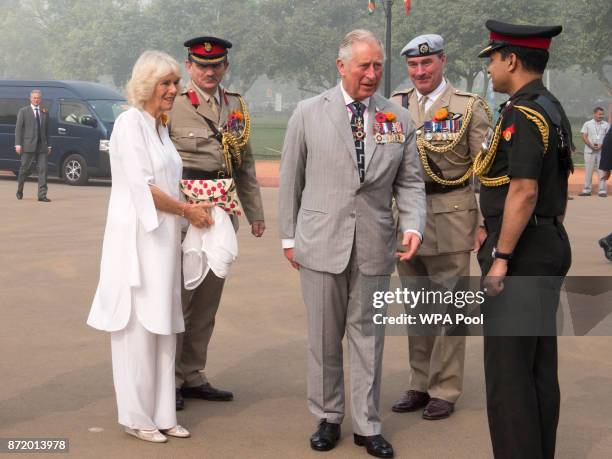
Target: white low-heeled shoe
(154, 436)
(177, 431)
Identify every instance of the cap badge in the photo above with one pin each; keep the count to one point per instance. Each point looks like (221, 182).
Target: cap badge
(207, 47)
(423, 48)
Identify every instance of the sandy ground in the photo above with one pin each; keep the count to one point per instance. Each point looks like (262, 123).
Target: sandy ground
(56, 372)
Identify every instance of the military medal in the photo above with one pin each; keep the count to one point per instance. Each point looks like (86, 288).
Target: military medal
(359, 133)
(387, 129)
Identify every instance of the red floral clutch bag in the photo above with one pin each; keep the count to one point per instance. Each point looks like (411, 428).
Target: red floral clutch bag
(221, 192)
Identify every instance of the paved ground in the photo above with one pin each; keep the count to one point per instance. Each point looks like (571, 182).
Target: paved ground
(55, 372)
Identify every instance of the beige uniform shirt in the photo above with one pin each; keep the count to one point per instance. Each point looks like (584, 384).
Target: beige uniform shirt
(452, 217)
(199, 149)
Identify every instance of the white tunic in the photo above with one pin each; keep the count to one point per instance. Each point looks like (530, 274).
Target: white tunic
(140, 267)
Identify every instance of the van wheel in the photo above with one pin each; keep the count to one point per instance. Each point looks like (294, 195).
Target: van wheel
(74, 170)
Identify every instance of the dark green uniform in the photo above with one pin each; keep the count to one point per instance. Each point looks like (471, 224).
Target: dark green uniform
(520, 348)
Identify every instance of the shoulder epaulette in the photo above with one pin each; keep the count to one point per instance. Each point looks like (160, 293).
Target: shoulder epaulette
(465, 93)
(538, 119)
(232, 93)
(403, 91)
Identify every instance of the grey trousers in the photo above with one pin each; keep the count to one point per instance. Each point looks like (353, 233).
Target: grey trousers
(436, 362)
(337, 304)
(24, 170)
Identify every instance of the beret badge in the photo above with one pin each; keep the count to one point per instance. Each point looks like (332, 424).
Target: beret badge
(423, 48)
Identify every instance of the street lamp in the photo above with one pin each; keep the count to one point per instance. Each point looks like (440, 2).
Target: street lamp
(387, 7)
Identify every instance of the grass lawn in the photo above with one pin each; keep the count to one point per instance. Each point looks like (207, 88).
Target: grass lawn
(268, 132)
(267, 135)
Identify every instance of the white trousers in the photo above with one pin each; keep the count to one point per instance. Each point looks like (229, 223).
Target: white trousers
(591, 163)
(143, 372)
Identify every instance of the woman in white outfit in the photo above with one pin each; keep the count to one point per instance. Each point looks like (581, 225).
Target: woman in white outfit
(138, 298)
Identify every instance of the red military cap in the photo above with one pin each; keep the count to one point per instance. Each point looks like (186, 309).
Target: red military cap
(207, 50)
(503, 34)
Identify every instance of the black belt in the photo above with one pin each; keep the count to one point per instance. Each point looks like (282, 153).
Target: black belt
(196, 174)
(438, 188)
(492, 224)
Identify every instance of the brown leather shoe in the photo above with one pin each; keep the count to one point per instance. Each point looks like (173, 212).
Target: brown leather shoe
(438, 409)
(412, 400)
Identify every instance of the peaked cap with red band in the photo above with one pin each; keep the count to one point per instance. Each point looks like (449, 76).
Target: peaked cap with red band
(207, 50)
(503, 34)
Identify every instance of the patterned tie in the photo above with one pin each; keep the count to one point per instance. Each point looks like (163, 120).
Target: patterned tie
(358, 128)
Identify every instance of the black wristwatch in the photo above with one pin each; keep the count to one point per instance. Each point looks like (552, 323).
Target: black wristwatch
(503, 256)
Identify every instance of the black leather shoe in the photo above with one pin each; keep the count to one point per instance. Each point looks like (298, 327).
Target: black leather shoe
(438, 409)
(412, 400)
(45, 199)
(180, 402)
(604, 243)
(19, 195)
(326, 437)
(207, 392)
(376, 445)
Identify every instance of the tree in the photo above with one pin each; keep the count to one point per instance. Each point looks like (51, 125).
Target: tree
(301, 44)
(591, 32)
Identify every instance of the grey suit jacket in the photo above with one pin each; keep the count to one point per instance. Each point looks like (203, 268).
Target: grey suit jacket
(325, 208)
(26, 129)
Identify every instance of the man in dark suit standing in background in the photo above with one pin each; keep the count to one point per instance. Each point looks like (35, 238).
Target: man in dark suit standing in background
(31, 143)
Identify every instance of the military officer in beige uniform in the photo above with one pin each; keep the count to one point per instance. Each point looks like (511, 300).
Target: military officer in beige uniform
(451, 128)
(198, 124)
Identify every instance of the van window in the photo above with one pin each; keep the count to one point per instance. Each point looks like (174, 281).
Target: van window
(9, 109)
(73, 112)
(109, 110)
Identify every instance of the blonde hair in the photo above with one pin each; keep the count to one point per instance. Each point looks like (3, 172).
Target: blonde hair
(150, 67)
(358, 35)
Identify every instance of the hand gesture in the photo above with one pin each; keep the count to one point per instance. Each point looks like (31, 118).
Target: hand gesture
(289, 256)
(411, 243)
(199, 214)
(257, 228)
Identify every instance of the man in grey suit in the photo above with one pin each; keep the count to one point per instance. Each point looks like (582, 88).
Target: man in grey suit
(31, 143)
(347, 153)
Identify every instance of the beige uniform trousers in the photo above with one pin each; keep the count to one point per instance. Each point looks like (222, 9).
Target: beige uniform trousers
(437, 362)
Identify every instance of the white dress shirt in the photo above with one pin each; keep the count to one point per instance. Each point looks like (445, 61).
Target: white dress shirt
(432, 96)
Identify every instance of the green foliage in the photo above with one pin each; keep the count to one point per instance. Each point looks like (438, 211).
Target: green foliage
(294, 40)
